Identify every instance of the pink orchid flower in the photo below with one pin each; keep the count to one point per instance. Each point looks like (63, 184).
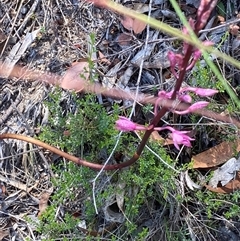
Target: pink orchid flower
(191, 23)
(183, 96)
(124, 124)
(162, 94)
(167, 95)
(193, 107)
(197, 54)
(200, 91)
(178, 137)
(175, 60)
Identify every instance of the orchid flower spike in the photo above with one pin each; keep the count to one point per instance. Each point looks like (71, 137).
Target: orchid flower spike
(124, 124)
(204, 10)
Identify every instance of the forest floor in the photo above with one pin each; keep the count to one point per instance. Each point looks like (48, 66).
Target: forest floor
(52, 36)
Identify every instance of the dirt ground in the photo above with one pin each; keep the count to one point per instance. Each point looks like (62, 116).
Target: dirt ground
(50, 35)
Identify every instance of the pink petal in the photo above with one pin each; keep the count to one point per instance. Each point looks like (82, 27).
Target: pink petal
(185, 98)
(198, 105)
(205, 92)
(171, 57)
(191, 23)
(179, 137)
(175, 60)
(193, 107)
(208, 43)
(197, 54)
(165, 95)
(200, 91)
(124, 124)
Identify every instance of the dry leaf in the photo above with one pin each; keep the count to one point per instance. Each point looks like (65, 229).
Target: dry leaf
(216, 155)
(109, 79)
(139, 7)
(138, 26)
(158, 60)
(221, 19)
(192, 185)
(103, 59)
(2, 189)
(76, 76)
(124, 39)
(155, 136)
(234, 30)
(43, 202)
(110, 214)
(127, 22)
(135, 25)
(66, 133)
(19, 49)
(230, 187)
(3, 39)
(120, 192)
(169, 14)
(225, 173)
(4, 233)
(145, 53)
(82, 224)
(236, 46)
(125, 78)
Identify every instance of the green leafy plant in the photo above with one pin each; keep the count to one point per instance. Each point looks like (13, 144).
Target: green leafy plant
(204, 77)
(87, 129)
(85, 132)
